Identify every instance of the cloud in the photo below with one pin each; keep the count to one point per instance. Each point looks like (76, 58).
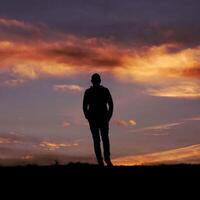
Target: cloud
(188, 154)
(124, 123)
(159, 62)
(132, 122)
(14, 82)
(7, 141)
(23, 31)
(13, 23)
(160, 127)
(16, 140)
(54, 146)
(65, 124)
(166, 69)
(163, 127)
(184, 90)
(27, 157)
(39, 59)
(22, 149)
(67, 88)
(12, 138)
(148, 32)
(163, 72)
(120, 123)
(197, 118)
(14, 145)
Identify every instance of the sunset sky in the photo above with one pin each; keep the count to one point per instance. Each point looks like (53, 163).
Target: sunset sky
(148, 54)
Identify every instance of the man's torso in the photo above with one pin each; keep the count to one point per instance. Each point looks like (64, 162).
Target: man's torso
(97, 100)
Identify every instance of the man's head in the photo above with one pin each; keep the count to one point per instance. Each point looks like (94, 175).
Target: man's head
(96, 79)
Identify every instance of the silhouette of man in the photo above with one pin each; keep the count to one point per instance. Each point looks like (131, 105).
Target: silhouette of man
(98, 110)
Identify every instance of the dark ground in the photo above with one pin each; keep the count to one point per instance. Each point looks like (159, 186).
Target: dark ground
(85, 179)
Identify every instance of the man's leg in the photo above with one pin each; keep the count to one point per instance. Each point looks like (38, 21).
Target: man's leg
(106, 143)
(96, 140)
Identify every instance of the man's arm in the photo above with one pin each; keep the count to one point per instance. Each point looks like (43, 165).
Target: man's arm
(85, 105)
(110, 105)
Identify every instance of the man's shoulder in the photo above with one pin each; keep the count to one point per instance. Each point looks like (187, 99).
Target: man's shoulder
(87, 90)
(90, 89)
(105, 88)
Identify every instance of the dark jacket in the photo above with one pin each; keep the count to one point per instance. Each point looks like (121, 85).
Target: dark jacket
(97, 103)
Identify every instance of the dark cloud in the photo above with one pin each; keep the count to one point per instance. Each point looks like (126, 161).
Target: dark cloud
(131, 22)
(71, 51)
(84, 55)
(13, 29)
(62, 47)
(192, 72)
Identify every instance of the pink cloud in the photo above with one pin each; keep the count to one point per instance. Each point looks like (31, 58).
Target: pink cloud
(55, 146)
(14, 82)
(68, 87)
(65, 124)
(124, 123)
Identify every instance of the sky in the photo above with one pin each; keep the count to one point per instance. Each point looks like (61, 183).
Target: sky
(147, 53)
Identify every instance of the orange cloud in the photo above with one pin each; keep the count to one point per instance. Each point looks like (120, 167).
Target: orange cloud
(65, 124)
(163, 72)
(54, 146)
(35, 60)
(154, 71)
(27, 157)
(158, 63)
(5, 141)
(186, 154)
(8, 138)
(167, 70)
(196, 118)
(67, 87)
(190, 90)
(132, 122)
(123, 123)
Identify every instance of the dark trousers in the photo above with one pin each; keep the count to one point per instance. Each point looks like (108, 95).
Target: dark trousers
(100, 131)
